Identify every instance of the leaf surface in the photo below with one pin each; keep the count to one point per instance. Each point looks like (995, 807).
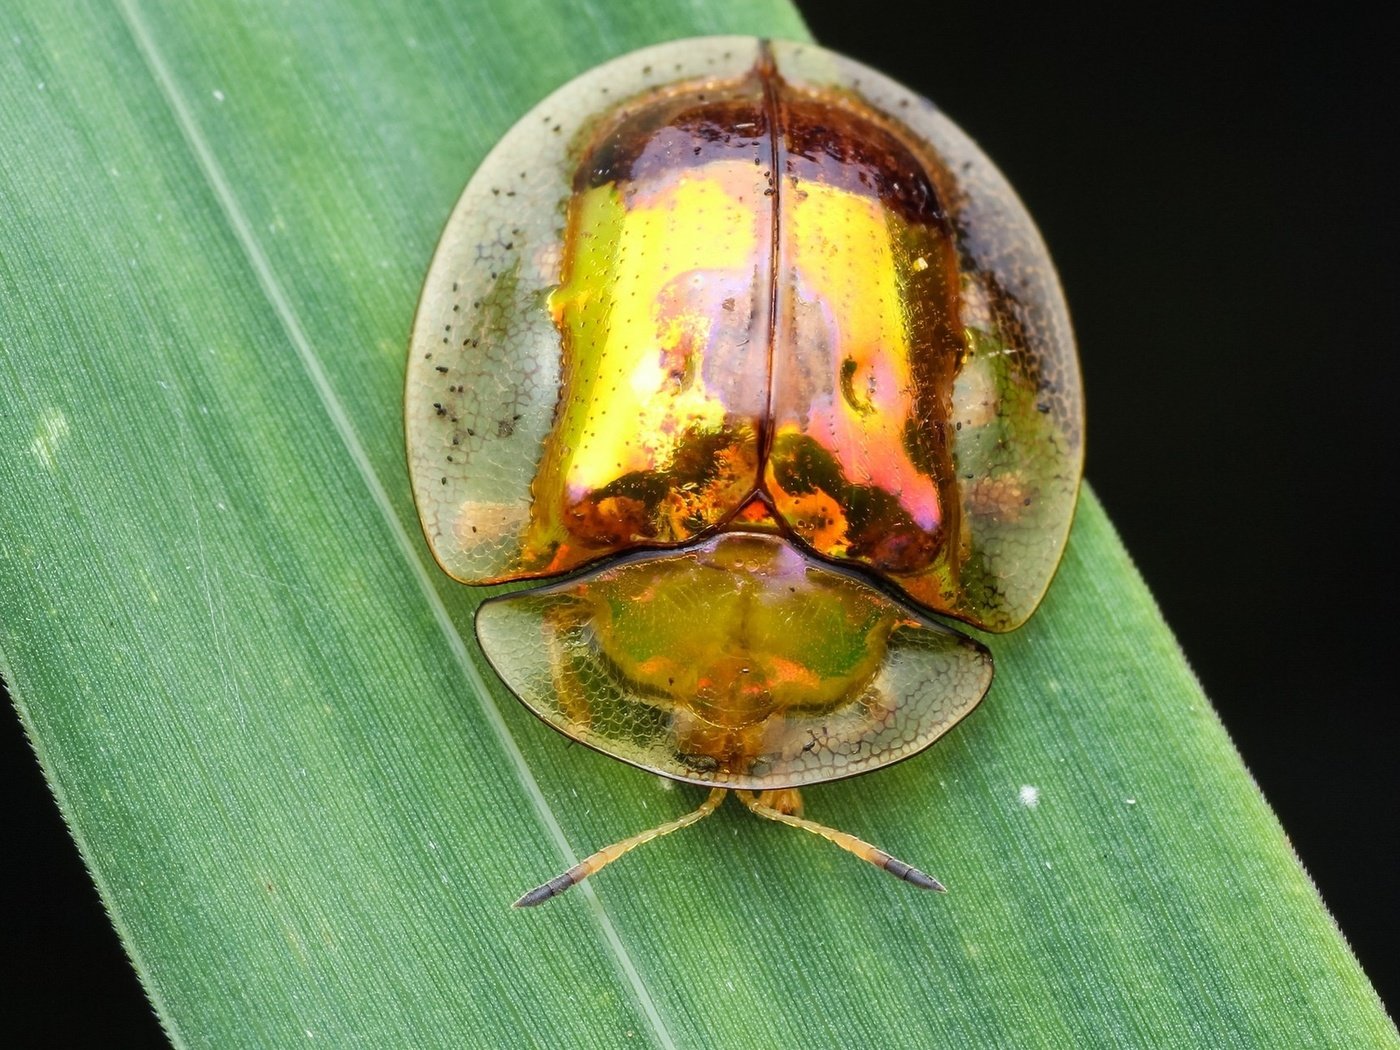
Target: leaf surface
(305, 801)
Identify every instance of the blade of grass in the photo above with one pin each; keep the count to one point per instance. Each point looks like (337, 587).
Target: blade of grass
(305, 806)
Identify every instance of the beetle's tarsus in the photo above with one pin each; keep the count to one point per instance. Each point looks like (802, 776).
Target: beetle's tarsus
(912, 875)
(552, 888)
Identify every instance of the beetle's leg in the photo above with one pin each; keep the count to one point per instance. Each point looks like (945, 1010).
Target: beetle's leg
(608, 854)
(785, 800)
(773, 805)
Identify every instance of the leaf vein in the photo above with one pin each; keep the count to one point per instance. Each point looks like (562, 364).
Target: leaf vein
(271, 287)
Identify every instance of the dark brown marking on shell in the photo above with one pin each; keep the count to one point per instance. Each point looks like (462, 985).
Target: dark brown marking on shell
(696, 128)
(837, 146)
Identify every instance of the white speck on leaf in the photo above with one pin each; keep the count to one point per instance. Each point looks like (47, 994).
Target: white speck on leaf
(1029, 796)
(218, 95)
(1130, 802)
(53, 429)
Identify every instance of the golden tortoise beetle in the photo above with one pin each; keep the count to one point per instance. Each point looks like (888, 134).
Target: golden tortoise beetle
(762, 356)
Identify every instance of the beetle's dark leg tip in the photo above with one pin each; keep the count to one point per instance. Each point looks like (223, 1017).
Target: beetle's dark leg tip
(552, 888)
(912, 875)
(928, 882)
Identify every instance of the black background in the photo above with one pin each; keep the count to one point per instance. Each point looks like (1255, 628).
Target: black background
(1217, 191)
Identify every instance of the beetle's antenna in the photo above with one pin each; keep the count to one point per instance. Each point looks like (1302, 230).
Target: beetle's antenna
(862, 849)
(590, 865)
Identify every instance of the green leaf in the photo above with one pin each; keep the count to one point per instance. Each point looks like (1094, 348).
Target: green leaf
(306, 805)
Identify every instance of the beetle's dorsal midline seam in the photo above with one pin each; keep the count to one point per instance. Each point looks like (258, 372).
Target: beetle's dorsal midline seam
(767, 72)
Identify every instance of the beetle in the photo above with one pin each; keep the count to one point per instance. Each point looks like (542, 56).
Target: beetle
(756, 361)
